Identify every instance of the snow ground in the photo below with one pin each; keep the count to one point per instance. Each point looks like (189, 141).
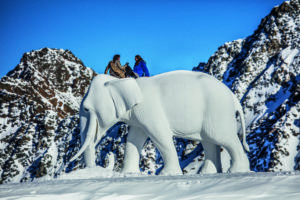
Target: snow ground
(99, 183)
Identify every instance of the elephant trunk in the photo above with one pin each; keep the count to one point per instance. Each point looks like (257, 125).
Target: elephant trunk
(92, 128)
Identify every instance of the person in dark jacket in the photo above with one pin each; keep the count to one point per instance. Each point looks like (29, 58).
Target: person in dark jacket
(140, 67)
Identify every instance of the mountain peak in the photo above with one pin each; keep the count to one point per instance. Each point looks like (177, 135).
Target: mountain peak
(59, 67)
(38, 98)
(46, 73)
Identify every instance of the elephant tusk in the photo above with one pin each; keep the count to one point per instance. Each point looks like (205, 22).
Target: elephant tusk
(89, 136)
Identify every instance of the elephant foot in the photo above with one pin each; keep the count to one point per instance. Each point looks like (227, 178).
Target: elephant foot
(90, 164)
(170, 171)
(131, 174)
(239, 170)
(208, 168)
(240, 167)
(130, 171)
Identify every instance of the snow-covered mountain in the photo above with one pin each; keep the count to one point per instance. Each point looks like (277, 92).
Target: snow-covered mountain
(263, 70)
(39, 101)
(40, 98)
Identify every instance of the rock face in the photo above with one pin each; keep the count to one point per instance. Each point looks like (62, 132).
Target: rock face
(39, 100)
(263, 70)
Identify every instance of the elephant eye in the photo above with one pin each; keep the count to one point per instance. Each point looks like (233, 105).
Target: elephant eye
(86, 109)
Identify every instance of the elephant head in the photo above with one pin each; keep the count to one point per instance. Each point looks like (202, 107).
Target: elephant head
(105, 103)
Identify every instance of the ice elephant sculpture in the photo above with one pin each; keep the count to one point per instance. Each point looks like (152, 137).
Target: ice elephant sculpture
(183, 104)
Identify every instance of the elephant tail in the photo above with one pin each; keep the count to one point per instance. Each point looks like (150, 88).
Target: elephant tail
(242, 120)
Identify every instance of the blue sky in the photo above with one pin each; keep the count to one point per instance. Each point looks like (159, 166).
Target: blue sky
(168, 34)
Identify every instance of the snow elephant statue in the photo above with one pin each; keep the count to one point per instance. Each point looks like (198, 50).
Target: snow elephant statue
(184, 104)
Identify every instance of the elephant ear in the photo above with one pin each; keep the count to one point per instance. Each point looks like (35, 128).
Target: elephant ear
(125, 94)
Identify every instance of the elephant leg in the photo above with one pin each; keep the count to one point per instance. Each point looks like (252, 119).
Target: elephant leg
(163, 140)
(135, 142)
(212, 162)
(239, 160)
(89, 156)
(224, 134)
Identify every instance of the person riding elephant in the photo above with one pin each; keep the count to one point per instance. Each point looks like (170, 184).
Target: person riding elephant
(115, 68)
(140, 67)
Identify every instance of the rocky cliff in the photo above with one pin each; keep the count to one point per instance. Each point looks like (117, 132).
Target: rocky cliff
(39, 100)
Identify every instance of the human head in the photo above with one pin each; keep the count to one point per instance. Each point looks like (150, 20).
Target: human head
(138, 58)
(116, 57)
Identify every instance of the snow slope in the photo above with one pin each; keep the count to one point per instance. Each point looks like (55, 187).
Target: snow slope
(99, 183)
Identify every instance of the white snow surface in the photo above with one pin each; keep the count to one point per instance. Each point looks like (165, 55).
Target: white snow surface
(100, 183)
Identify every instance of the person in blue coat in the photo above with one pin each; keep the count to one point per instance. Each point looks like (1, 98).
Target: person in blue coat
(140, 67)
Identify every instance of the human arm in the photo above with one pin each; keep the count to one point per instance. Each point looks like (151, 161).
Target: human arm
(118, 64)
(107, 68)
